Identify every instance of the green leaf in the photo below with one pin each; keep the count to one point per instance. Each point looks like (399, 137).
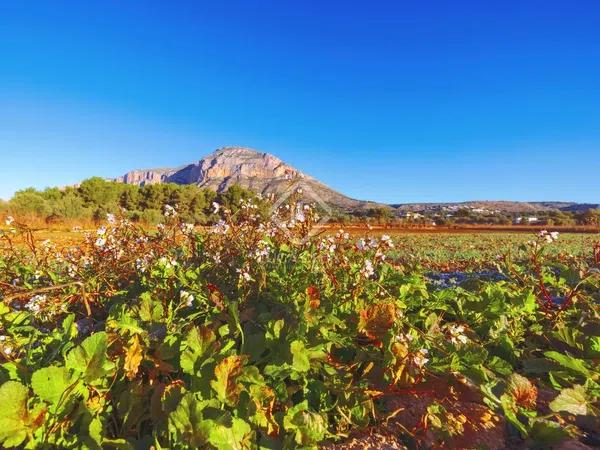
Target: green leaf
(188, 421)
(572, 400)
(547, 434)
(574, 364)
(225, 383)
(510, 410)
(51, 384)
(300, 359)
(197, 344)
(16, 421)
(89, 358)
(309, 427)
(236, 437)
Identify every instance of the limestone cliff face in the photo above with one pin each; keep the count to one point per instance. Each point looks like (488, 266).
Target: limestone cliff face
(142, 177)
(260, 172)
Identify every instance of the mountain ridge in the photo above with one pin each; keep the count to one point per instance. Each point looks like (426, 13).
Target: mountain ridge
(258, 171)
(268, 175)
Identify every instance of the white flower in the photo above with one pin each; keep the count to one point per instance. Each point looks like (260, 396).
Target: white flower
(216, 207)
(457, 334)
(367, 271)
(100, 242)
(7, 350)
(361, 244)
(110, 218)
(101, 231)
(170, 211)
(9, 220)
(167, 263)
(187, 297)
(243, 274)
(221, 227)
(140, 265)
(34, 303)
(299, 216)
(2, 338)
(420, 357)
(387, 241)
(404, 337)
(187, 228)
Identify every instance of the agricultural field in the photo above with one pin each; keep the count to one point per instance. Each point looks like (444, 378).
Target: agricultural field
(250, 334)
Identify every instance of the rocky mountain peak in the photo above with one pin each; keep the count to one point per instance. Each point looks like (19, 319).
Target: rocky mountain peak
(243, 166)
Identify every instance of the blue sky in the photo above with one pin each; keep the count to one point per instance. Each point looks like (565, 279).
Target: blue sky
(390, 101)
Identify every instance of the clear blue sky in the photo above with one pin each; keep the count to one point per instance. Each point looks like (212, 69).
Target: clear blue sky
(392, 101)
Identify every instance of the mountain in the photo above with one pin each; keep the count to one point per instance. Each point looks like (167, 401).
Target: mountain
(268, 175)
(259, 172)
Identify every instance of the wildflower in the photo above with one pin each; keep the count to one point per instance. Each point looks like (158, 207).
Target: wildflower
(170, 211)
(404, 337)
(140, 265)
(420, 357)
(367, 271)
(110, 218)
(186, 297)
(361, 244)
(101, 231)
(300, 216)
(100, 242)
(9, 220)
(35, 303)
(2, 338)
(216, 207)
(387, 241)
(379, 255)
(187, 228)
(221, 227)
(456, 334)
(244, 274)
(167, 263)
(7, 351)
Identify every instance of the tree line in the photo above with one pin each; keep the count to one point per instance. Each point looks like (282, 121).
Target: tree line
(95, 197)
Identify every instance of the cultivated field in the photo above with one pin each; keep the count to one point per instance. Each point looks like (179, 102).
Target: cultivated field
(248, 334)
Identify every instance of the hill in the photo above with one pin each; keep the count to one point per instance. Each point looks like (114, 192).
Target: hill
(260, 172)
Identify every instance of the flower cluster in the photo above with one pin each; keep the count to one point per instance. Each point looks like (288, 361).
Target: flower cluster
(456, 334)
(548, 236)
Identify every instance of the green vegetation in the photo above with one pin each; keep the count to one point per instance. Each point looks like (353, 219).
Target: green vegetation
(254, 334)
(478, 251)
(95, 197)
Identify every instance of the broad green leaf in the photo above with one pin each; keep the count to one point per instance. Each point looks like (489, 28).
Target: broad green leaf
(547, 434)
(226, 384)
(300, 356)
(308, 427)
(573, 400)
(197, 344)
(188, 421)
(16, 421)
(89, 358)
(236, 437)
(53, 384)
(569, 362)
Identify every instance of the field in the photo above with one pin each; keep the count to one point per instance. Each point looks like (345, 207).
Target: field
(253, 335)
